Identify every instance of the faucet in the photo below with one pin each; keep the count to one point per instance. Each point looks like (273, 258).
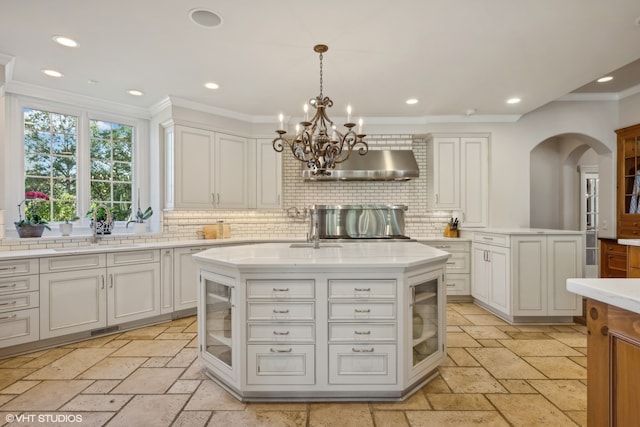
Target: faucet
(94, 237)
(315, 233)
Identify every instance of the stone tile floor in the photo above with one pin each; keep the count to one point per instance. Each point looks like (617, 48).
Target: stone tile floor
(495, 374)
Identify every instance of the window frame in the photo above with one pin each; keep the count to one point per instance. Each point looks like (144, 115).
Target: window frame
(15, 153)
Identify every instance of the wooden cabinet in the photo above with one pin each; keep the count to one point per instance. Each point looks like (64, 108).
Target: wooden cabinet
(628, 182)
(458, 269)
(460, 177)
(633, 262)
(205, 169)
(613, 259)
(19, 302)
(613, 357)
(268, 176)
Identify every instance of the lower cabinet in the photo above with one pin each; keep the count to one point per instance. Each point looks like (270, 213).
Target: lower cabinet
(458, 267)
(185, 278)
(124, 288)
(19, 302)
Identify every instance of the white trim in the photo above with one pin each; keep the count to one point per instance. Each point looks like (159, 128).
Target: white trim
(600, 96)
(628, 92)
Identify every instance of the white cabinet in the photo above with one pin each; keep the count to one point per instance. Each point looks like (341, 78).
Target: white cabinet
(458, 267)
(19, 302)
(268, 176)
(459, 167)
(103, 289)
(166, 281)
(185, 278)
(522, 275)
(205, 169)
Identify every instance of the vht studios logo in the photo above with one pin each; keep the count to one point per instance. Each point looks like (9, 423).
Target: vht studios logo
(43, 418)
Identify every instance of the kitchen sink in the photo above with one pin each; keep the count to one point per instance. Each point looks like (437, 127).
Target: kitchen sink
(311, 245)
(96, 248)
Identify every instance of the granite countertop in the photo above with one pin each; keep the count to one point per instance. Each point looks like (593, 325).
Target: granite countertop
(623, 293)
(333, 255)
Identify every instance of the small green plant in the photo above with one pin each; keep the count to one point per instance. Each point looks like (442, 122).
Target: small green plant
(31, 212)
(99, 211)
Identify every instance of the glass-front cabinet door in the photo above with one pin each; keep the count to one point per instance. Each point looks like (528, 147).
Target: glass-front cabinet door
(426, 325)
(216, 310)
(628, 182)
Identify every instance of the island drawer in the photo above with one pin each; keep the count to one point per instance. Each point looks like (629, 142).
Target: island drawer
(369, 310)
(19, 284)
(280, 311)
(281, 332)
(365, 332)
(281, 289)
(19, 327)
(280, 364)
(362, 364)
(19, 301)
(374, 288)
(18, 267)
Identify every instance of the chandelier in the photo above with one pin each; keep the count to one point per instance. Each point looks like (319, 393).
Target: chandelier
(318, 143)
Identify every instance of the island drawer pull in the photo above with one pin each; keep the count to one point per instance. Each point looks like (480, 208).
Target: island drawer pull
(280, 289)
(362, 310)
(450, 285)
(451, 262)
(280, 311)
(14, 302)
(487, 238)
(363, 350)
(289, 350)
(362, 332)
(13, 285)
(443, 246)
(13, 267)
(363, 289)
(13, 316)
(280, 333)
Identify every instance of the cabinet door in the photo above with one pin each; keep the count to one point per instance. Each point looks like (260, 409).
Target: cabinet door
(268, 176)
(166, 278)
(529, 275)
(446, 173)
(499, 279)
(83, 290)
(564, 261)
(133, 292)
(474, 181)
(193, 168)
(480, 280)
(185, 278)
(231, 172)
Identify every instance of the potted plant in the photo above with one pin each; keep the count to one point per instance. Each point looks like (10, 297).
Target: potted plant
(140, 217)
(103, 219)
(33, 224)
(68, 215)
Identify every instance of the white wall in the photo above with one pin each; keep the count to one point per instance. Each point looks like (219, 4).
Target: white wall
(629, 111)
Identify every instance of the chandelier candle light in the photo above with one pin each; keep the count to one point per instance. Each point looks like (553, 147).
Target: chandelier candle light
(317, 142)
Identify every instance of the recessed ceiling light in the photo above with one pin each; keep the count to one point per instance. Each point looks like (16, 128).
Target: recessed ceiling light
(92, 82)
(135, 92)
(65, 41)
(205, 18)
(604, 79)
(412, 101)
(513, 100)
(52, 73)
(211, 85)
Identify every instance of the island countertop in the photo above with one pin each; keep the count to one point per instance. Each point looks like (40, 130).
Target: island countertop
(335, 255)
(623, 293)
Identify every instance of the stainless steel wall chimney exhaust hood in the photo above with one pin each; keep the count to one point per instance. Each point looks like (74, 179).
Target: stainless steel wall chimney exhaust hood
(376, 165)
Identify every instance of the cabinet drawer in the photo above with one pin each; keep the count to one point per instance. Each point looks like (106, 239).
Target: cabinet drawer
(280, 332)
(617, 262)
(280, 364)
(354, 289)
(281, 289)
(458, 284)
(280, 311)
(491, 239)
(449, 246)
(19, 301)
(18, 267)
(366, 332)
(19, 284)
(362, 311)
(19, 327)
(629, 227)
(458, 263)
(73, 262)
(132, 257)
(362, 364)
(614, 248)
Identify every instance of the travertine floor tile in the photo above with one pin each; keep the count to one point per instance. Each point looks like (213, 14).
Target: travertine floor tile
(192, 419)
(465, 308)
(582, 360)
(436, 385)
(568, 395)
(485, 319)
(558, 367)
(519, 335)
(459, 402)
(149, 410)
(461, 340)
(390, 419)
(258, 419)
(9, 376)
(47, 396)
(101, 387)
(470, 380)
(113, 368)
(149, 381)
(484, 332)
(47, 357)
(195, 372)
(19, 387)
(503, 364)
(340, 415)
(151, 348)
(211, 397)
(183, 359)
(156, 362)
(277, 406)
(579, 417)
(529, 410)
(518, 386)
(97, 402)
(461, 357)
(490, 343)
(147, 333)
(571, 339)
(176, 336)
(539, 348)
(417, 401)
(456, 319)
(72, 364)
(456, 418)
(184, 387)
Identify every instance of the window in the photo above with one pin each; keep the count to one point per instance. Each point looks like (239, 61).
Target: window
(111, 166)
(50, 162)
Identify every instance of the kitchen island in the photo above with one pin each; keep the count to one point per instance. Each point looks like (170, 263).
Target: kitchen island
(345, 321)
(613, 349)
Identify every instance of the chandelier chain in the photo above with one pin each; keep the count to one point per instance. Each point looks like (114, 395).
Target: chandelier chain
(321, 75)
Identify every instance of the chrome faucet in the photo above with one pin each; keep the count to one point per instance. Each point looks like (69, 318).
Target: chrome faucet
(94, 238)
(315, 234)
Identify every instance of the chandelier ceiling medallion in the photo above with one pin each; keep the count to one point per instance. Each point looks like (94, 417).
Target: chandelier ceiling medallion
(317, 142)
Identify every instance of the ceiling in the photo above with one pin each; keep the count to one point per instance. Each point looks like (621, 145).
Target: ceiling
(453, 55)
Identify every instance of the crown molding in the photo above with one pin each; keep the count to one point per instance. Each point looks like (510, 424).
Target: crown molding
(595, 96)
(629, 92)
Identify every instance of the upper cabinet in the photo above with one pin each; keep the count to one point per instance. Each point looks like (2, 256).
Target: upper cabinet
(628, 175)
(459, 177)
(212, 170)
